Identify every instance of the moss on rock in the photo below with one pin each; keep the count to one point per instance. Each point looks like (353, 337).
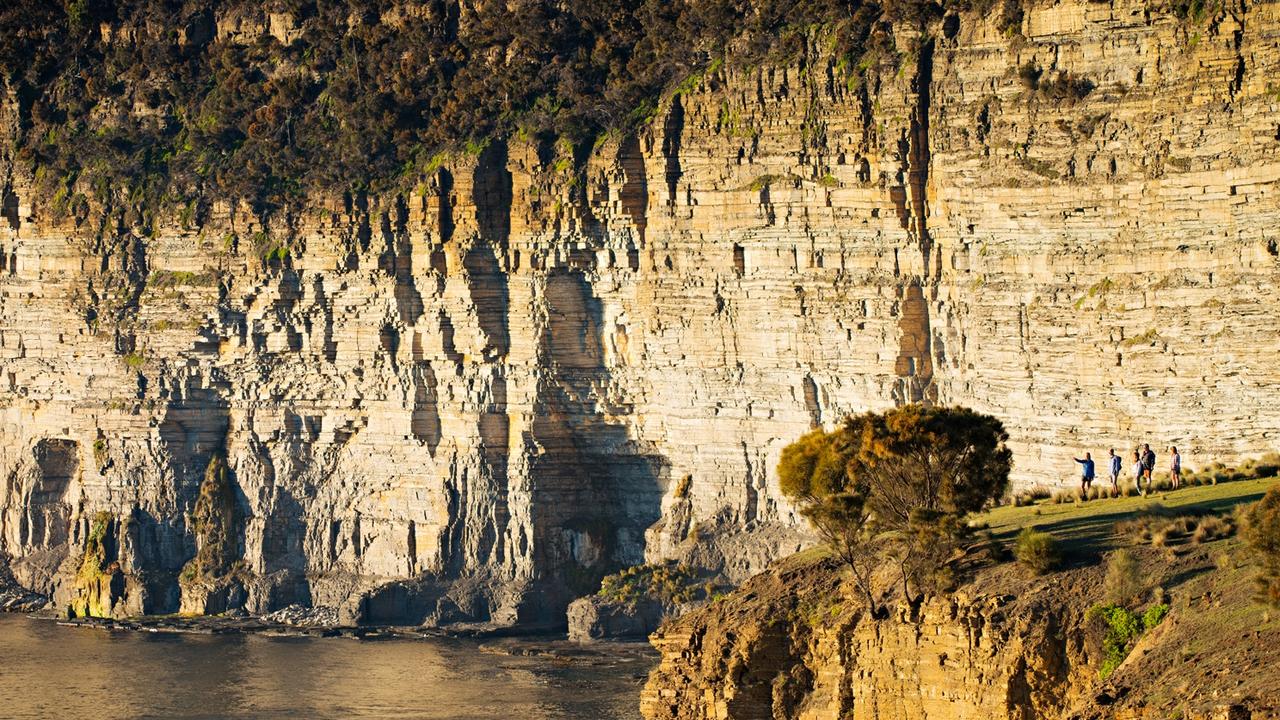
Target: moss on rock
(210, 580)
(99, 583)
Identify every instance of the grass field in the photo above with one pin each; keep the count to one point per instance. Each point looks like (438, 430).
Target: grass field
(1088, 528)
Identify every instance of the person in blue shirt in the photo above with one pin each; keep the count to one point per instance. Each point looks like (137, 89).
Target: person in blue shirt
(1115, 473)
(1086, 473)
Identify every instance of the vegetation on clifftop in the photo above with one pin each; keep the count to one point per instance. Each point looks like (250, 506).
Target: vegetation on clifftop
(134, 103)
(898, 484)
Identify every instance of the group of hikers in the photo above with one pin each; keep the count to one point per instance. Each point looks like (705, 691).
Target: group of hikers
(1144, 466)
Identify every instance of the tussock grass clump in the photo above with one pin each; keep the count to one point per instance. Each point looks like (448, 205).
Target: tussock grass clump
(1123, 582)
(1032, 495)
(1158, 527)
(1037, 550)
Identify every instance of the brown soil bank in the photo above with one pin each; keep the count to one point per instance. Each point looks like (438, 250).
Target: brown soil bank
(796, 642)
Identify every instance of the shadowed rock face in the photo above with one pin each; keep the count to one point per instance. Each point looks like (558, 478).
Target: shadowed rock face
(471, 401)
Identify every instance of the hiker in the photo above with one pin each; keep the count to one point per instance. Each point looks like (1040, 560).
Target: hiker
(1115, 473)
(1148, 464)
(1175, 468)
(1138, 470)
(1086, 473)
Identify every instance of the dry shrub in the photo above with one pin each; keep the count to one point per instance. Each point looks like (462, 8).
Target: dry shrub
(1156, 526)
(1123, 581)
(1212, 527)
(1039, 551)
(1031, 495)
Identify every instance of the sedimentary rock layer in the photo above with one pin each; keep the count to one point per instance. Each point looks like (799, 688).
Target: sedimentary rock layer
(469, 401)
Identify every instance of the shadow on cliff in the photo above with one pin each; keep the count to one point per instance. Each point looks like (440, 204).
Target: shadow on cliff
(595, 490)
(193, 431)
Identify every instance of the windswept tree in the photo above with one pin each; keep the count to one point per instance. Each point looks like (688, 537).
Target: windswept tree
(812, 471)
(898, 485)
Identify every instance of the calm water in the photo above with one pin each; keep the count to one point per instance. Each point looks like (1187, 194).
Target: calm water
(48, 671)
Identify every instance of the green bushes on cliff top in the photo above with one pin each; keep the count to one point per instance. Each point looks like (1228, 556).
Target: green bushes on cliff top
(135, 104)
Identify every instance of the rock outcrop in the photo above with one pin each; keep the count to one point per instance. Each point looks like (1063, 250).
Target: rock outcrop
(796, 643)
(472, 401)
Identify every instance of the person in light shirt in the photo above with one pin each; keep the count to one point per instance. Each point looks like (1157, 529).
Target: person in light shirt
(1115, 472)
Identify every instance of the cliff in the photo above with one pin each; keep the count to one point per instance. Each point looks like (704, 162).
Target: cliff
(796, 642)
(470, 401)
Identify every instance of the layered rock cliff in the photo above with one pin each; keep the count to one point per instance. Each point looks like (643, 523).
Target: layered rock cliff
(797, 643)
(469, 402)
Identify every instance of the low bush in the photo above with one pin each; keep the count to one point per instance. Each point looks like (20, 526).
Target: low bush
(1157, 526)
(1039, 551)
(1031, 495)
(669, 584)
(1123, 629)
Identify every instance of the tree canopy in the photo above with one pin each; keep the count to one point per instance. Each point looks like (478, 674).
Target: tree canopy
(897, 484)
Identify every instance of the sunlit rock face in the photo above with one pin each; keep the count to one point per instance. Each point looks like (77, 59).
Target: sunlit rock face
(469, 401)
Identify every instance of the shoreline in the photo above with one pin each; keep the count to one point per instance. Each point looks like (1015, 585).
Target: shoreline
(513, 641)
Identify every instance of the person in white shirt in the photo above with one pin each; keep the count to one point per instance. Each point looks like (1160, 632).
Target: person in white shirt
(1139, 469)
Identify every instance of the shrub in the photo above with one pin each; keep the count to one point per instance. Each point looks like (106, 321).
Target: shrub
(1039, 551)
(1123, 580)
(1123, 629)
(1031, 495)
(1155, 525)
(1261, 530)
(669, 584)
(1212, 527)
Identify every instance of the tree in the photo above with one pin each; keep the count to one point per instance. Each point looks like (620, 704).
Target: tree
(923, 460)
(1262, 531)
(898, 484)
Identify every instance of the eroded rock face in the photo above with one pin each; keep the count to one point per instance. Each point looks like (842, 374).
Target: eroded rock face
(471, 401)
(797, 643)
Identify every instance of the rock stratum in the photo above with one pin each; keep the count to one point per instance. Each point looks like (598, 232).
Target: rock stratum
(469, 402)
(796, 642)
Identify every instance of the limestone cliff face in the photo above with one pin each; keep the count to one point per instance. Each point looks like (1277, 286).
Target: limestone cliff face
(470, 401)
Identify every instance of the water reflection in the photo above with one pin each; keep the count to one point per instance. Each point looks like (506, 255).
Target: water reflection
(52, 671)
